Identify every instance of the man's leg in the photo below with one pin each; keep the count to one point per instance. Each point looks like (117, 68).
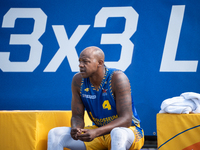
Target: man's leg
(60, 137)
(121, 138)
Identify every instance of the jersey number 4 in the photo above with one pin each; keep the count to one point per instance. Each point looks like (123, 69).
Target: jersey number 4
(106, 105)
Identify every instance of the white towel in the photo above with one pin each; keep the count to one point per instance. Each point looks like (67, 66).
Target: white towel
(195, 97)
(183, 104)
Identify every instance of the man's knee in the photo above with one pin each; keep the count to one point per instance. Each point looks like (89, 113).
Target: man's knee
(121, 138)
(51, 133)
(58, 131)
(117, 134)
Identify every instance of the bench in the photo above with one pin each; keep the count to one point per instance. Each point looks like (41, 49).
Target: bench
(28, 130)
(178, 131)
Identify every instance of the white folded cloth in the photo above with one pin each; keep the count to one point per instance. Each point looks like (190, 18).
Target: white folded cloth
(184, 104)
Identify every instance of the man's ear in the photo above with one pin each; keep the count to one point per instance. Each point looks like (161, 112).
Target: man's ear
(101, 63)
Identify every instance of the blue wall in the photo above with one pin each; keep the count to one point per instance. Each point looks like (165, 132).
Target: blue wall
(155, 42)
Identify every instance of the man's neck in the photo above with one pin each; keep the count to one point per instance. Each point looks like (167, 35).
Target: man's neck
(97, 79)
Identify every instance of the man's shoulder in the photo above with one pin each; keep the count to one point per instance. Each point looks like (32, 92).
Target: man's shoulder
(118, 75)
(77, 78)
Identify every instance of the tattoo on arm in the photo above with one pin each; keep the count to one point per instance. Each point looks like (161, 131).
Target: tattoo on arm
(75, 84)
(77, 116)
(77, 107)
(77, 122)
(123, 93)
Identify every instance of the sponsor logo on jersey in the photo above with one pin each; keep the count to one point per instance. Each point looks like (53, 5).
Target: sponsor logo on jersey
(87, 89)
(104, 92)
(89, 96)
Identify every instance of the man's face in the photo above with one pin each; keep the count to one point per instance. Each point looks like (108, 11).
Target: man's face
(88, 63)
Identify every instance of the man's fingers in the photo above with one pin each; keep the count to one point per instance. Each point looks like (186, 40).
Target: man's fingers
(84, 130)
(75, 132)
(84, 138)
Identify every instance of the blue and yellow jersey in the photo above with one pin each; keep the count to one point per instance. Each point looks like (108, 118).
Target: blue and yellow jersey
(100, 104)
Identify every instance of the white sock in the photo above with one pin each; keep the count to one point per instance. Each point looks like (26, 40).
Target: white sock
(121, 138)
(60, 137)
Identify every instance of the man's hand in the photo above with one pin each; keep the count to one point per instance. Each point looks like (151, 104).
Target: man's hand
(75, 132)
(86, 135)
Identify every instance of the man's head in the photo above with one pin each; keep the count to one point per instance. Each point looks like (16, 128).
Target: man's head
(91, 61)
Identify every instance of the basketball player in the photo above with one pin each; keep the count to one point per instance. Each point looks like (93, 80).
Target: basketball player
(106, 95)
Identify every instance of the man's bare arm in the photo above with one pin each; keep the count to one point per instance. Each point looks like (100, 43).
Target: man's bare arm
(77, 106)
(77, 120)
